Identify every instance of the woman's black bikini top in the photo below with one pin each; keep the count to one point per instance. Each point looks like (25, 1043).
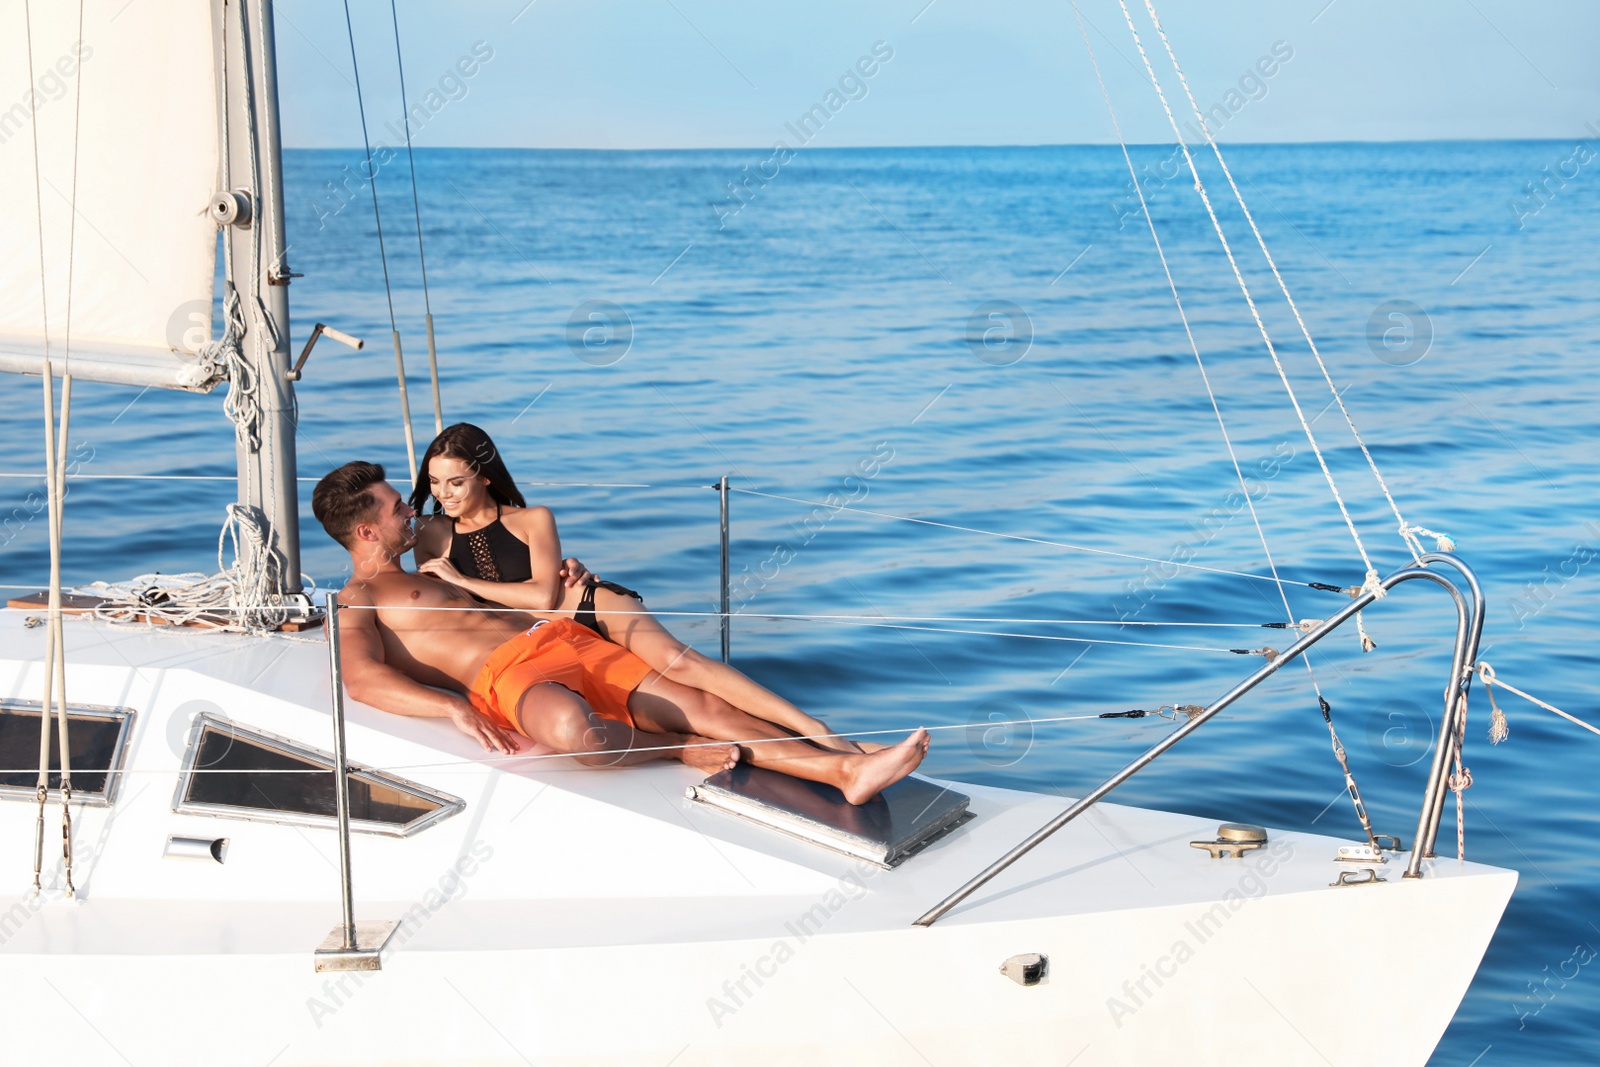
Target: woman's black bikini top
(493, 554)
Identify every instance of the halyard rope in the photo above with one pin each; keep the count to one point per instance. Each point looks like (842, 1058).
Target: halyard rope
(416, 210)
(1322, 702)
(377, 217)
(1372, 582)
(1408, 533)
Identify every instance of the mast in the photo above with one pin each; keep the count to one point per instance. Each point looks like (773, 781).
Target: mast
(253, 164)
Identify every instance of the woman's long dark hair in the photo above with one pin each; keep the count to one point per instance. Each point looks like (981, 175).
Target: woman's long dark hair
(473, 447)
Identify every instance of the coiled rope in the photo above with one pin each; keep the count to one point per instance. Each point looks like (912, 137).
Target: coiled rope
(235, 598)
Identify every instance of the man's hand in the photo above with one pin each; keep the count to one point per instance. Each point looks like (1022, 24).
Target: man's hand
(494, 738)
(574, 573)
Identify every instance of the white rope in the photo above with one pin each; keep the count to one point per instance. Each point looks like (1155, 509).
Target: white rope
(1490, 680)
(1372, 578)
(1305, 625)
(1188, 332)
(1407, 532)
(235, 598)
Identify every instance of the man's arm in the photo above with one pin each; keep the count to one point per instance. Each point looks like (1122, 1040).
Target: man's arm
(369, 679)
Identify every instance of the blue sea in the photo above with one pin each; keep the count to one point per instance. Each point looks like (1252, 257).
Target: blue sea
(952, 394)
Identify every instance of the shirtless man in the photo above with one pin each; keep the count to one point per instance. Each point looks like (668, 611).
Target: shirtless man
(557, 683)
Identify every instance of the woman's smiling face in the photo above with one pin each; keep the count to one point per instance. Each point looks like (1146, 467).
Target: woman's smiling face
(457, 488)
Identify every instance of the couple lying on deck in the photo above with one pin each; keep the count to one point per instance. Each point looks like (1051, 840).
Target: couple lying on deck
(541, 663)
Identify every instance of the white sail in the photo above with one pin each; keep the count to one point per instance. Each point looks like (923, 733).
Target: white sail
(130, 104)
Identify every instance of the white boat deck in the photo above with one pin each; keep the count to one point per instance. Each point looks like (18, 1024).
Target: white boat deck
(611, 879)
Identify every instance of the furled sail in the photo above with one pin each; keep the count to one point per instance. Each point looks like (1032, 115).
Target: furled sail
(120, 117)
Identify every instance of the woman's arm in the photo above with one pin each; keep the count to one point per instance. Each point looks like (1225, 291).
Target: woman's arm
(551, 574)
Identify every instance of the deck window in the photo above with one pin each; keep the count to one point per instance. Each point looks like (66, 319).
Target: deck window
(238, 772)
(97, 739)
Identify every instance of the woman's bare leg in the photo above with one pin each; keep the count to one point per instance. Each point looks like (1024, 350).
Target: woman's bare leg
(645, 637)
(662, 705)
(554, 715)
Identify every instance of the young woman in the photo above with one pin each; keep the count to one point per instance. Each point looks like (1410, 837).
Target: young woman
(480, 535)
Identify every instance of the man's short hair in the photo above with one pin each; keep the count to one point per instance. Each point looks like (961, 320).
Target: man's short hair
(343, 499)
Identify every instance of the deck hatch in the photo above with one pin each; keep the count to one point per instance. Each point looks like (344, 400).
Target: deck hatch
(239, 772)
(97, 737)
(896, 824)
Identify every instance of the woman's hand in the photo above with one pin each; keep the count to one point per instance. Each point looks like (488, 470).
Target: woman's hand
(574, 573)
(444, 570)
(469, 721)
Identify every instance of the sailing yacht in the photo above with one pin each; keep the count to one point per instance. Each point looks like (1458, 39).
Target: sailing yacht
(258, 871)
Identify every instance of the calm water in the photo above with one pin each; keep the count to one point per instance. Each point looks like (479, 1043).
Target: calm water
(821, 340)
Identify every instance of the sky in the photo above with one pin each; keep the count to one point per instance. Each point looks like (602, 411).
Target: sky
(719, 73)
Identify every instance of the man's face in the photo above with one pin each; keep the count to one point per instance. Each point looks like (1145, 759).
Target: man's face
(392, 521)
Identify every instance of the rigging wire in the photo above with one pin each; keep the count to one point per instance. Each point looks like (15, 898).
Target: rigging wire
(388, 292)
(1372, 582)
(1407, 531)
(416, 210)
(1327, 712)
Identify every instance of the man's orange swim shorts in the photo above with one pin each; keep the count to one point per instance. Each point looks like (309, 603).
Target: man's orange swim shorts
(567, 654)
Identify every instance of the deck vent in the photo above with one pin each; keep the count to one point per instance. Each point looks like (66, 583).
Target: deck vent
(899, 822)
(209, 849)
(1030, 968)
(1233, 839)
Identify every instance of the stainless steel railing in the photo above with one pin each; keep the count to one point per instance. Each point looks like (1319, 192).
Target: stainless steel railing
(1469, 628)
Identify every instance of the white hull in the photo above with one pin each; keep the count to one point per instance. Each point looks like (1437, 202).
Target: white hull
(597, 917)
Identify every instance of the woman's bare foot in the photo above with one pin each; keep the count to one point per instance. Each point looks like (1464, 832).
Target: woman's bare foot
(871, 774)
(709, 755)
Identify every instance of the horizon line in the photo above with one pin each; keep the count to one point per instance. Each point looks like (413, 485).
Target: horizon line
(897, 147)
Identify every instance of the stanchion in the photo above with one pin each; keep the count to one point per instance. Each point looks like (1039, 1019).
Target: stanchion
(727, 633)
(351, 946)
